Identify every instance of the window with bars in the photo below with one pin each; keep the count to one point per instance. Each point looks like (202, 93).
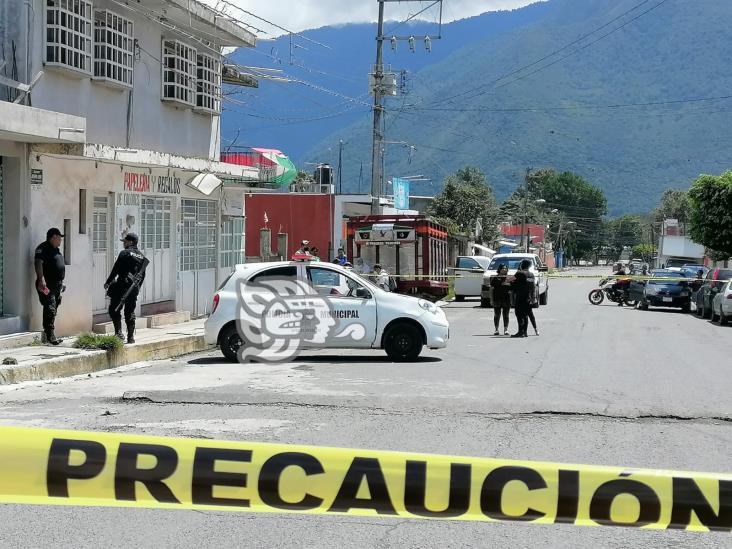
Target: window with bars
(179, 73)
(100, 225)
(198, 235)
(113, 48)
(155, 214)
(208, 84)
(68, 37)
(232, 242)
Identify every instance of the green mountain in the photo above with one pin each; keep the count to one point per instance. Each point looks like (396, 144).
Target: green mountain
(636, 100)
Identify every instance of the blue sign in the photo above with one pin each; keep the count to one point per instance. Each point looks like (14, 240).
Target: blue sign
(401, 193)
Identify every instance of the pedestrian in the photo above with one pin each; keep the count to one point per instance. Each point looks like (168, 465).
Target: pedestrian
(315, 253)
(522, 288)
(382, 278)
(342, 259)
(130, 262)
(50, 273)
(501, 298)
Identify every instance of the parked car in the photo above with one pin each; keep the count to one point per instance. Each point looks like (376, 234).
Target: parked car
(305, 304)
(713, 283)
(722, 304)
(662, 292)
(469, 270)
(512, 261)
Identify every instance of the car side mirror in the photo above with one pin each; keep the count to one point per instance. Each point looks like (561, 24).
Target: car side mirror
(544, 269)
(363, 293)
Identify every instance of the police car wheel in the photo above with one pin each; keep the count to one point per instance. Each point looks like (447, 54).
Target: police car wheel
(403, 343)
(230, 341)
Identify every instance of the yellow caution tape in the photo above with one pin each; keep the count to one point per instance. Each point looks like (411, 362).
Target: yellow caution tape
(43, 466)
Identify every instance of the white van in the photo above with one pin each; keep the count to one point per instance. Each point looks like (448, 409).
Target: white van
(469, 271)
(512, 261)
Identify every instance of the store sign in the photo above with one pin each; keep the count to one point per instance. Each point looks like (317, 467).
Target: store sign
(139, 182)
(401, 193)
(36, 177)
(232, 203)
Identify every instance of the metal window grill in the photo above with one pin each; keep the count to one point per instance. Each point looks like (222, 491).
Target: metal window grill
(179, 73)
(208, 84)
(198, 235)
(100, 224)
(232, 242)
(68, 39)
(155, 223)
(113, 48)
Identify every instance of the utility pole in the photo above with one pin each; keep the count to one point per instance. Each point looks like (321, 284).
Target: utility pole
(379, 91)
(340, 166)
(376, 172)
(526, 205)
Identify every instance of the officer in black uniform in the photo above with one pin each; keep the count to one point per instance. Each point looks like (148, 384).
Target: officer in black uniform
(50, 272)
(129, 263)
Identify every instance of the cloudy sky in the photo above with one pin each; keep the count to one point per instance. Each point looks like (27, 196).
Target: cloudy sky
(297, 15)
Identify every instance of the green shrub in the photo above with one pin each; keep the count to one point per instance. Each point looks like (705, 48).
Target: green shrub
(98, 341)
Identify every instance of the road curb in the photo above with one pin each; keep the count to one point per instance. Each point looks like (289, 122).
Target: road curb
(94, 361)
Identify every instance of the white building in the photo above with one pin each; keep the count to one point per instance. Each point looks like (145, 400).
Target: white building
(122, 113)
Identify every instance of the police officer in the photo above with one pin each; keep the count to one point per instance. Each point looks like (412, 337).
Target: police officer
(523, 287)
(129, 262)
(50, 272)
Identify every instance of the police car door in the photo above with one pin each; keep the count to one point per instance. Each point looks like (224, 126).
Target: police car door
(349, 316)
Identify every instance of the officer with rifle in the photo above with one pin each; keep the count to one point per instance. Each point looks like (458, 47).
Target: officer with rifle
(124, 284)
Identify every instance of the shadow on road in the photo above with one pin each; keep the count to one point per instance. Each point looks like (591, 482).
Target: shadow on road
(325, 359)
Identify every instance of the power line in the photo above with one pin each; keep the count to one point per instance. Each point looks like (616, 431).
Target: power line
(275, 25)
(575, 107)
(553, 53)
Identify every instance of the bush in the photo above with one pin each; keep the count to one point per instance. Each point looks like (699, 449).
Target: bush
(98, 342)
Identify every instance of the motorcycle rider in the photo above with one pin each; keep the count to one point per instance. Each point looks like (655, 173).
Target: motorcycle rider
(617, 285)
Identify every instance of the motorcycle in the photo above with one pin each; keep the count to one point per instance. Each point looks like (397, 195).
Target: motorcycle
(617, 293)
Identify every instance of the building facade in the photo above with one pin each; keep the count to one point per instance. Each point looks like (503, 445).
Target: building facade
(109, 119)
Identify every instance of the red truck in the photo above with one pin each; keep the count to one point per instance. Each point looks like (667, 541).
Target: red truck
(412, 248)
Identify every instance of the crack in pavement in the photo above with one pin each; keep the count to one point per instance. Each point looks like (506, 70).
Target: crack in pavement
(496, 416)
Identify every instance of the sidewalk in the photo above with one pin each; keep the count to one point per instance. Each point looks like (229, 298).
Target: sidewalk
(37, 361)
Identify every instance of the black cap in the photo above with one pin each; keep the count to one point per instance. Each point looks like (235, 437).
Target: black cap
(131, 237)
(53, 232)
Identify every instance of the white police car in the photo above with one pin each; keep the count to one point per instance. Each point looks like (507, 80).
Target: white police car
(271, 311)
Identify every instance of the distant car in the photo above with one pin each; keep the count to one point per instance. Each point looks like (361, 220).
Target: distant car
(512, 261)
(662, 292)
(722, 304)
(695, 268)
(469, 271)
(711, 286)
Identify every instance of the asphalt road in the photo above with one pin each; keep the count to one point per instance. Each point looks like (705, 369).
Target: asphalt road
(601, 384)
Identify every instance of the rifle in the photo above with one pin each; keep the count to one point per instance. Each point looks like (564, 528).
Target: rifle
(135, 280)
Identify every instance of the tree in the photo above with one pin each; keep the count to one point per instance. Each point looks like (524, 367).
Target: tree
(644, 251)
(623, 232)
(466, 198)
(710, 201)
(674, 204)
(570, 205)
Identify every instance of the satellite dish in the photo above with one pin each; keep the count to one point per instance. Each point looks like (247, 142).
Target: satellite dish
(205, 183)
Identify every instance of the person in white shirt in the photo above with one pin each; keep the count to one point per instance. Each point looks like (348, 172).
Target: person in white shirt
(382, 278)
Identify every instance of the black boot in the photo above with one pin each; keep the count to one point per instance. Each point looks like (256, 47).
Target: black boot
(130, 331)
(118, 329)
(51, 338)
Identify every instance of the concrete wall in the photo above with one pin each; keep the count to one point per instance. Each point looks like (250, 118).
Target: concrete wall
(152, 123)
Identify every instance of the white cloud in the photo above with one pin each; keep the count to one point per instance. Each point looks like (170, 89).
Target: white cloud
(298, 15)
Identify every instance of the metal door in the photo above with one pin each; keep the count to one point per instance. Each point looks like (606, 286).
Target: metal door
(155, 241)
(197, 255)
(2, 252)
(101, 249)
